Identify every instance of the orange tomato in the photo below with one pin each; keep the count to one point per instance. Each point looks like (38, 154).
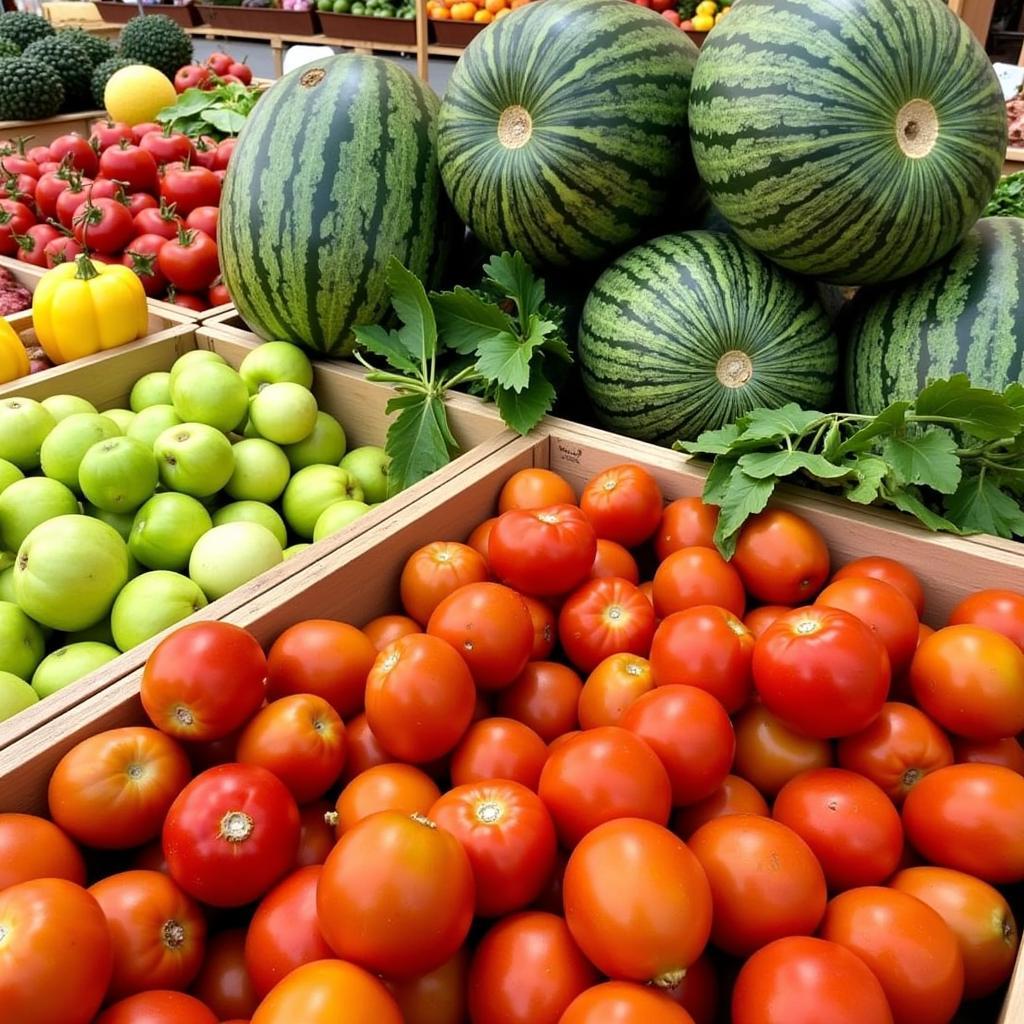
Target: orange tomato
(612, 687)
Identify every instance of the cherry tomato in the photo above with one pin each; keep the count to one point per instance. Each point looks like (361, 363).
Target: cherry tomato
(499, 748)
(697, 993)
(697, 576)
(438, 997)
(231, 834)
(480, 539)
(316, 837)
(189, 188)
(896, 574)
(162, 220)
(74, 146)
(612, 688)
(545, 697)
(605, 617)
(758, 620)
(1006, 752)
(898, 749)
(769, 753)
(614, 560)
(385, 787)
(224, 984)
(362, 749)
(624, 504)
(535, 488)
(15, 219)
(134, 166)
(32, 847)
(158, 1007)
(545, 628)
(167, 147)
(434, 572)
(386, 629)
(998, 610)
(190, 261)
(733, 796)
(113, 789)
(685, 523)
(396, 895)
(781, 558)
(622, 1001)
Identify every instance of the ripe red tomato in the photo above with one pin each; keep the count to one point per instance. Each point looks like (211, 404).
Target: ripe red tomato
(544, 628)
(850, 824)
(822, 671)
(189, 188)
(998, 610)
(754, 906)
(801, 980)
(896, 574)
(708, 647)
(316, 837)
(32, 847)
(396, 895)
(362, 749)
(971, 681)
(769, 753)
(624, 504)
(612, 688)
(134, 166)
(908, 947)
(685, 523)
(535, 488)
(969, 817)
(167, 147)
(544, 551)
(614, 560)
(204, 680)
(733, 796)
(605, 617)
(15, 219)
(113, 789)
(190, 261)
(697, 576)
(419, 698)
(637, 901)
(509, 837)
(898, 749)
(602, 774)
(978, 916)
(437, 997)
(161, 220)
(1006, 752)
(385, 787)
(224, 984)
(434, 572)
(76, 147)
(158, 1007)
(781, 558)
(545, 697)
(499, 748)
(231, 834)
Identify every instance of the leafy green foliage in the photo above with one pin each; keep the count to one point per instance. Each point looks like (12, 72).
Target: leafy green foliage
(218, 112)
(1008, 198)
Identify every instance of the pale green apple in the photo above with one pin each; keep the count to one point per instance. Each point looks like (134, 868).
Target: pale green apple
(253, 512)
(152, 389)
(120, 521)
(231, 555)
(151, 603)
(121, 418)
(151, 422)
(119, 474)
(61, 407)
(194, 458)
(9, 472)
(261, 471)
(336, 517)
(70, 663)
(211, 393)
(15, 695)
(324, 447)
(284, 413)
(369, 465)
(29, 502)
(193, 358)
(68, 442)
(22, 644)
(275, 362)
(24, 424)
(166, 529)
(291, 552)
(311, 490)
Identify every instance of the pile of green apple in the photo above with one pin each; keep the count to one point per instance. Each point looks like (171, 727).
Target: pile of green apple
(116, 525)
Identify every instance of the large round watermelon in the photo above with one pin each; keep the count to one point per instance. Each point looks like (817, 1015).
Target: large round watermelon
(563, 130)
(965, 314)
(855, 141)
(690, 331)
(335, 172)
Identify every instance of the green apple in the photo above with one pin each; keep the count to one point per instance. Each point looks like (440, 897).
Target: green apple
(152, 389)
(369, 465)
(166, 529)
(22, 644)
(231, 555)
(99, 633)
(295, 549)
(194, 458)
(284, 413)
(69, 440)
(253, 512)
(274, 362)
(9, 473)
(311, 490)
(261, 471)
(211, 393)
(151, 422)
(151, 603)
(61, 407)
(7, 584)
(324, 447)
(336, 517)
(118, 475)
(24, 424)
(68, 572)
(29, 502)
(68, 664)
(15, 695)
(193, 358)
(120, 521)
(121, 418)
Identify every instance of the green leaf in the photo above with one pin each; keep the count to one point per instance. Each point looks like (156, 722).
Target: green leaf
(228, 121)
(887, 421)
(389, 345)
(983, 413)
(465, 320)
(710, 442)
(929, 459)
(908, 501)
(765, 464)
(775, 424)
(512, 275)
(523, 410)
(869, 471)
(979, 506)
(409, 298)
(416, 444)
(745, 497)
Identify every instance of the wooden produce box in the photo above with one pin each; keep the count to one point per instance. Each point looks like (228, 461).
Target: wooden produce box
(341, 390)
(44, 132)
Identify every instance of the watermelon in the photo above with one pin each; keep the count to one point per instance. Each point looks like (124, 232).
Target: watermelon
(855, 141)
(965, 314)
(335, 171)
(563, 130)
(690, 331)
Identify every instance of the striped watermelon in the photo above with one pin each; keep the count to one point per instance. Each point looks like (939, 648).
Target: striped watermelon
(334, 172)
(852, 140)
(965, 314)
(563, 130)
(689, 331)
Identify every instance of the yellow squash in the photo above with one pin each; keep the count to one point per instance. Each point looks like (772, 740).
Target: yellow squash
(84, 307)
(13, 357)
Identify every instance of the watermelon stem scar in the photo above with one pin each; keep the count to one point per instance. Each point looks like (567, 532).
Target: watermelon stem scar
(515, 126)
(917, 128)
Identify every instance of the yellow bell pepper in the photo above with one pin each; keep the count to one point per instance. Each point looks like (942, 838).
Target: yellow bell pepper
(83, 307)
(13, 357)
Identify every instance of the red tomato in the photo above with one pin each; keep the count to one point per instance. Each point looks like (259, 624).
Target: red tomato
(419, 698)
(614, 560)
(204, 680)
(15, 219)
(769, 753)
(140, 256)
(969, 817)
(190, 188)
(822, 671)
(622, 1001)
(134, 166)
(509, 838)
(190, 261)
(113, 789)
(56, 953)
(499, 748)
(167, 147)
(781, 558)
(605, 617)
(396, 895)
(193, 76)
(434, 572)
(998, 610)
(480, 539)
(755, 904)
(907, 946)
(691, 734)
(653, 920)
(386, 629)
(32, 247)
(545, 697)
(107, 133)
(527, 970)
(224, 983)
(83, 157)
(733, 796)
(603, 774)
(544, 628)
(533, 489)
(158, 1007)
(971, 681)
(385, 787)
(204, 218)
(1006, 752)
(697, 576)
(624, 504)
(978, 916)
(850, 824)
(612, 688)
(896, 574)
(801, 980)
(362, 749)
(159, 221)
(707, 647)
(316, 837)
(437, 997)
(898, 749)
(543, 551)
(32, 847)
(685, 523)
(231, 834)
